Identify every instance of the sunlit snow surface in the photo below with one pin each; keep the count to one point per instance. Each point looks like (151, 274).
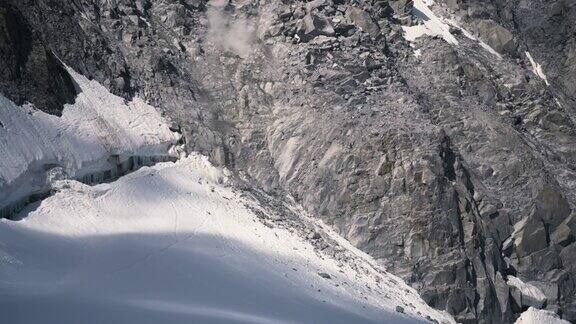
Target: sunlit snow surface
(176, 243)
(433, 25)
(537, 68)
(539, 316)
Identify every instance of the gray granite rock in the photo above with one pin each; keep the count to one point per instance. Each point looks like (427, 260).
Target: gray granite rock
(454, 168)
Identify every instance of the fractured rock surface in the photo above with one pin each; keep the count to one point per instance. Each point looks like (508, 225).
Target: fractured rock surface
(452, 163)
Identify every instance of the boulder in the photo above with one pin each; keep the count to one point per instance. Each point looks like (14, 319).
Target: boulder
(529, 236)
(571, 222)
(543, 261)
(402, 7)
(568, 256)
(324, 275)
(552, 206)
(192, 3)
(457, 303)
(498, 37)
(562, 235)
(312, 26)
(550, 289)
(314, 4)
(363, 20)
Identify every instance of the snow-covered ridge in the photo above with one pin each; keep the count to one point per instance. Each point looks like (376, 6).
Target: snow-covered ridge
(98, 126)
(177, 243)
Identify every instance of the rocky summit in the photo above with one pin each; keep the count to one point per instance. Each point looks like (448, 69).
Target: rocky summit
(437, 136)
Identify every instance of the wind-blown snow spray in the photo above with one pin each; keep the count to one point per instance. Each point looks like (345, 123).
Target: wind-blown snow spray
(233, 34)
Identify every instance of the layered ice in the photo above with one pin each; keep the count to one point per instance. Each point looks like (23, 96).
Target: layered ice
(97, 126)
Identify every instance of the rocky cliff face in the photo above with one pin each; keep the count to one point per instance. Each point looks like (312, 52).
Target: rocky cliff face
(438, 137)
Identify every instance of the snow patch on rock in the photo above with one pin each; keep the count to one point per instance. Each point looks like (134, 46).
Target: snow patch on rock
(539, 316)
(437, 26)
(528, 291)
(537, 68)
(433, 25)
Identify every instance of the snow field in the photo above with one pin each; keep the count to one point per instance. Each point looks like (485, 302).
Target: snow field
(177, 243)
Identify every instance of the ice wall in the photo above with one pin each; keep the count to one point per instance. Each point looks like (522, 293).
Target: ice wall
(97, 130)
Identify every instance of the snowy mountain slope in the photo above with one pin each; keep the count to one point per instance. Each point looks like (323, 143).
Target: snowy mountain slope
(177, 243)
(98, 125)
(425, 132)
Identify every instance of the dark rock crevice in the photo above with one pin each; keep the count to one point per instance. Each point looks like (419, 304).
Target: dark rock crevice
(34, 74)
